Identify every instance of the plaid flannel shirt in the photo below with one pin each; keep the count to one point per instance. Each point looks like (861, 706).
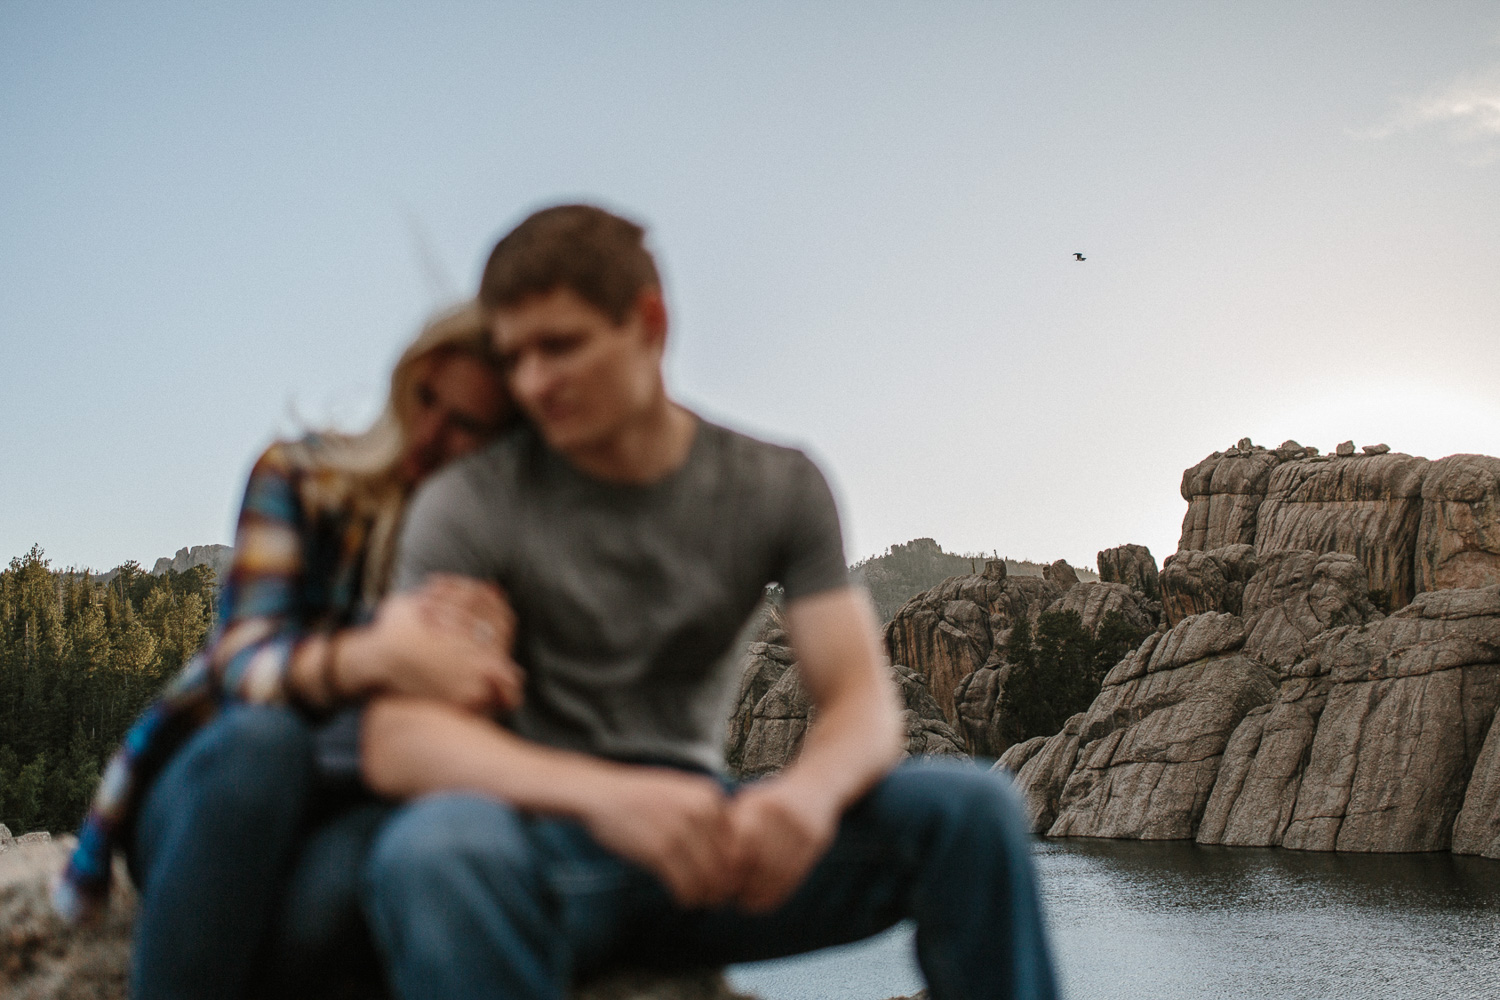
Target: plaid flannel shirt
(299, 558)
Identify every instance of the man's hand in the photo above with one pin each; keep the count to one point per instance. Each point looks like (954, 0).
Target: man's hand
(449, 640)
(780, 832)
(675, 825)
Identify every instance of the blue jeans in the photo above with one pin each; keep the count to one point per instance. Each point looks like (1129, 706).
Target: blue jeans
(248, 870)
(469, 898)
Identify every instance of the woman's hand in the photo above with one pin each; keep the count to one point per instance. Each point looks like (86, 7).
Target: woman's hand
(449, 640)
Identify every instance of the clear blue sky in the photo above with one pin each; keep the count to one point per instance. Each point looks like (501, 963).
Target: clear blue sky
(219, 225)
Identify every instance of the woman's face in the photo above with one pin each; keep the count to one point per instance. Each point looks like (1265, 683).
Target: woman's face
(457, 404)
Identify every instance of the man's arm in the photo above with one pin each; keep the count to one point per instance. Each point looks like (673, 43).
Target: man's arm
(672, 823)
(783, 825)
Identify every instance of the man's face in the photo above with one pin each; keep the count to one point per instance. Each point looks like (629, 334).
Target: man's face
(576, 374)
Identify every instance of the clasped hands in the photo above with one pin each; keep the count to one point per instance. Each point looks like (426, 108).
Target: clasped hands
(751, 849)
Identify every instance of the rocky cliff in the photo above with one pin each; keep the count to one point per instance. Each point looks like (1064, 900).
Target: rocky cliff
(215, 557)
(1326, 673)
(772, 711)
(947, 648)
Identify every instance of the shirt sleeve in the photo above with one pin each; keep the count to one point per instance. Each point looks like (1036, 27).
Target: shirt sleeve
(441, 533)
(262, 618)
(813, 552)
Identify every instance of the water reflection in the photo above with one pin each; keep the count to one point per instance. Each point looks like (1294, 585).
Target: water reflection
(1176, 920)
(1136, 920)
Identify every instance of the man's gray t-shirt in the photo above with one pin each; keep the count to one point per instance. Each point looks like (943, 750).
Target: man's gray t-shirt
(629, 598)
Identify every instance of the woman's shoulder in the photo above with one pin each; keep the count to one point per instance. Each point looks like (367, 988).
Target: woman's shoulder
(299, 467)
(288, 455)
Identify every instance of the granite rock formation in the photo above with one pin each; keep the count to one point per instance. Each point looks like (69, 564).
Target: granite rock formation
(954, 636)
(1458, 540)
(979, 699)
(215, 557)
(1197, 581)
(1133, 566)
(954, 629)
(1331, 672)
(772, 710)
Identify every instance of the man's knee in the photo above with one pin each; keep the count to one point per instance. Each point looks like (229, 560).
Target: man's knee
(952, 800)
(447, 843)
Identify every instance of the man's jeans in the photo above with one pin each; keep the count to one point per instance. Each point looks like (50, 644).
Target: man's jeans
(248, 868)
(469, 898)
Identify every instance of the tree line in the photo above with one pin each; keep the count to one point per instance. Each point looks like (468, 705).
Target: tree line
(79, 660)
(1058, 668)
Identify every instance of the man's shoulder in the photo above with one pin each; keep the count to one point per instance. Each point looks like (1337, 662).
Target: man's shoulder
(478, 483)
(754, 459)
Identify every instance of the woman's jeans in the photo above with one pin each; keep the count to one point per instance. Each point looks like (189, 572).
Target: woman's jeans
(469, 898)
(248, 867)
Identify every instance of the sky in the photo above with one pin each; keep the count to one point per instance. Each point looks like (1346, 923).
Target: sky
(219, 223)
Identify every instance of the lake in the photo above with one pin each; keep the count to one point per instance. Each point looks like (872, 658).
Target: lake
(1135, 920)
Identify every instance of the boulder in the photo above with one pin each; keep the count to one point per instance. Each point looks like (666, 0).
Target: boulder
(1476, 830)
(767, 655)
(1149, 746)
(777, 723)
(947, 633)
(1224, 494)
(928, 734)
(42, 957)
(1133, 566)
(1015, 758)
(1061, 574)
(1255, 794)
(1458, 540)
(1296, 596)
(979, 697)
(1410, 703)
(1369, 506)
(975, 701)
(1092, 601)
(1198, 581)
(1041, 767)
(776, 726)
(1332, 686)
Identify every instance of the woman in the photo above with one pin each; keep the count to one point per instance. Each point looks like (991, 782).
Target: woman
(226, 796)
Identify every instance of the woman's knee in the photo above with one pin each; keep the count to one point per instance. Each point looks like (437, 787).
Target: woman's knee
(254, 759)
(249, 770)
(252, 755)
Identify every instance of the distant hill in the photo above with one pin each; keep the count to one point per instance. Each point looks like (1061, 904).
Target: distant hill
(215, 557)
(905, 570)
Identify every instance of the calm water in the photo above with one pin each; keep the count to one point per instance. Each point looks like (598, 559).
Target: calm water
(1175, 921)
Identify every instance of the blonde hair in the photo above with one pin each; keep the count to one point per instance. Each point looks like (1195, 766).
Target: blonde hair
(360, 471)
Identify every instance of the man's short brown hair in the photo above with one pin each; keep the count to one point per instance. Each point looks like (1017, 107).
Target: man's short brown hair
(595, 254)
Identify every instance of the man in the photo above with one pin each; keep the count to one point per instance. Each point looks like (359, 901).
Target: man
(634, 539)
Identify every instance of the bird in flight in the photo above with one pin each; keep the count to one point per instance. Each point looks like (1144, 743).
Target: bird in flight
(1079, 256)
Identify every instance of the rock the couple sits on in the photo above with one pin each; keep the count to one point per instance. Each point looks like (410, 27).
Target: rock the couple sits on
(377, 792)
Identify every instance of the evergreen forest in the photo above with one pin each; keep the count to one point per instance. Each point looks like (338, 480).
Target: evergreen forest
(80, 657)
(1058, 668)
